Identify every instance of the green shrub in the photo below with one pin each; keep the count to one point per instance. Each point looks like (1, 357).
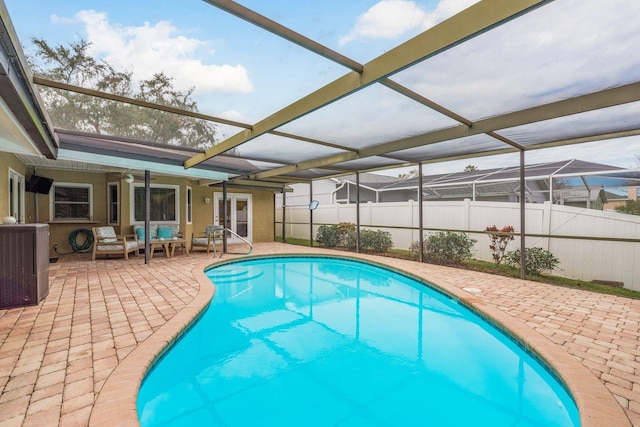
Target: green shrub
(345, 228)
(375, 241)
(350, 240)
(536, 260)
(446, 247)
(415, 246)
(344, 234)
(630, 207)
(328, 236)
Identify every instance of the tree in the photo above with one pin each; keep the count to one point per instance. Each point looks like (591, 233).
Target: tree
(411, 174)
(630, 207)
(74, 65)
(470, 168)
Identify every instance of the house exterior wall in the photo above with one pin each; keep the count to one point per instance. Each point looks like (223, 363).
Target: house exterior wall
(202, 213)
(398, 196)
(632, 194)
(60, 230)
(263, 216)
(187, 229)
(349, 192)
(262, 210)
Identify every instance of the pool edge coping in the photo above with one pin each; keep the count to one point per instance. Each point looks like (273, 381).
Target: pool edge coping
(116, 404)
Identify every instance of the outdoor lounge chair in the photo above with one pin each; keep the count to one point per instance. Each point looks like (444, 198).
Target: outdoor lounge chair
(213, 235)
(106, 242)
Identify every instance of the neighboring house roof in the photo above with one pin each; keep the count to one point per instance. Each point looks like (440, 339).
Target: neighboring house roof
(509, 173)
(567, 174)
(615, 197)
(370, 180)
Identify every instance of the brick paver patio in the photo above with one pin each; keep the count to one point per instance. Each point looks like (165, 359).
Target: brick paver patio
(56, 357)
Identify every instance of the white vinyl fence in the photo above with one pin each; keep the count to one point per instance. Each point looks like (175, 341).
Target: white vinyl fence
(585, 259)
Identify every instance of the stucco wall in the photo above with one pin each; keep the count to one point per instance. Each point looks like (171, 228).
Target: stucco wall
(262, 204)
(262, 212)
(60, 230)
(263, 216)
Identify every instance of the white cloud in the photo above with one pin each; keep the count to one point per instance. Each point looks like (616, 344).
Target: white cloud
(389, 19)
(153, 48)
(61, 20)
(386, 19)
(562, 50)
(233, 115)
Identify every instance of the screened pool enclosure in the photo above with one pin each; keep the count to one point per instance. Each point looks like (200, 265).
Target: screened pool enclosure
(495, 77)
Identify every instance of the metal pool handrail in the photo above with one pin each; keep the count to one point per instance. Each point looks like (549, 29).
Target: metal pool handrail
(223, 230)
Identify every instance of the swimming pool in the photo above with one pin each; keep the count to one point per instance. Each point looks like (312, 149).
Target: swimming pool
(325, 341)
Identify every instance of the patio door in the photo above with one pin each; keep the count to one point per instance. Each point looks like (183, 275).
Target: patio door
(16, 195)
(238, 215)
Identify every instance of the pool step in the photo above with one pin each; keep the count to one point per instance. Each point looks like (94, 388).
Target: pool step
(233, 274)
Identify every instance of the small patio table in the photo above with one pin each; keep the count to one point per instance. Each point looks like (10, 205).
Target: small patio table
(180, 243)
(166, 245)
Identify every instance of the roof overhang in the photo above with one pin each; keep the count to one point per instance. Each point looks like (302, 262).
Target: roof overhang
(25, 125)
(127, 163)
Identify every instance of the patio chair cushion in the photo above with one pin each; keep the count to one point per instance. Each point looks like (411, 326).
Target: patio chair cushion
(153, 229)
(165, 232)
(199, 241)
(175, 230)
(131, 246)
(107, 242)
(209, 240)
(139, 232)
(106, 234)
(210, 229)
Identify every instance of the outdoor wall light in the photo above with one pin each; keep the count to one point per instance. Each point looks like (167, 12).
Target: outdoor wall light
(207, 200)
(128, 178)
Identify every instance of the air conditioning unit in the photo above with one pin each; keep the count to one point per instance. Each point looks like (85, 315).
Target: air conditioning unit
(24, 264)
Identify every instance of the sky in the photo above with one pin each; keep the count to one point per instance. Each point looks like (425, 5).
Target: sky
(244, 73)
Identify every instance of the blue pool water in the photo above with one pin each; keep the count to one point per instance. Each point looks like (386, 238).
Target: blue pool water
(332, 342)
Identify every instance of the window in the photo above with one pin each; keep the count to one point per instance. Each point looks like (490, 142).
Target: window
(16, 195)
(164, 203)
(72, 201)
(189, 204)
(113, 203)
